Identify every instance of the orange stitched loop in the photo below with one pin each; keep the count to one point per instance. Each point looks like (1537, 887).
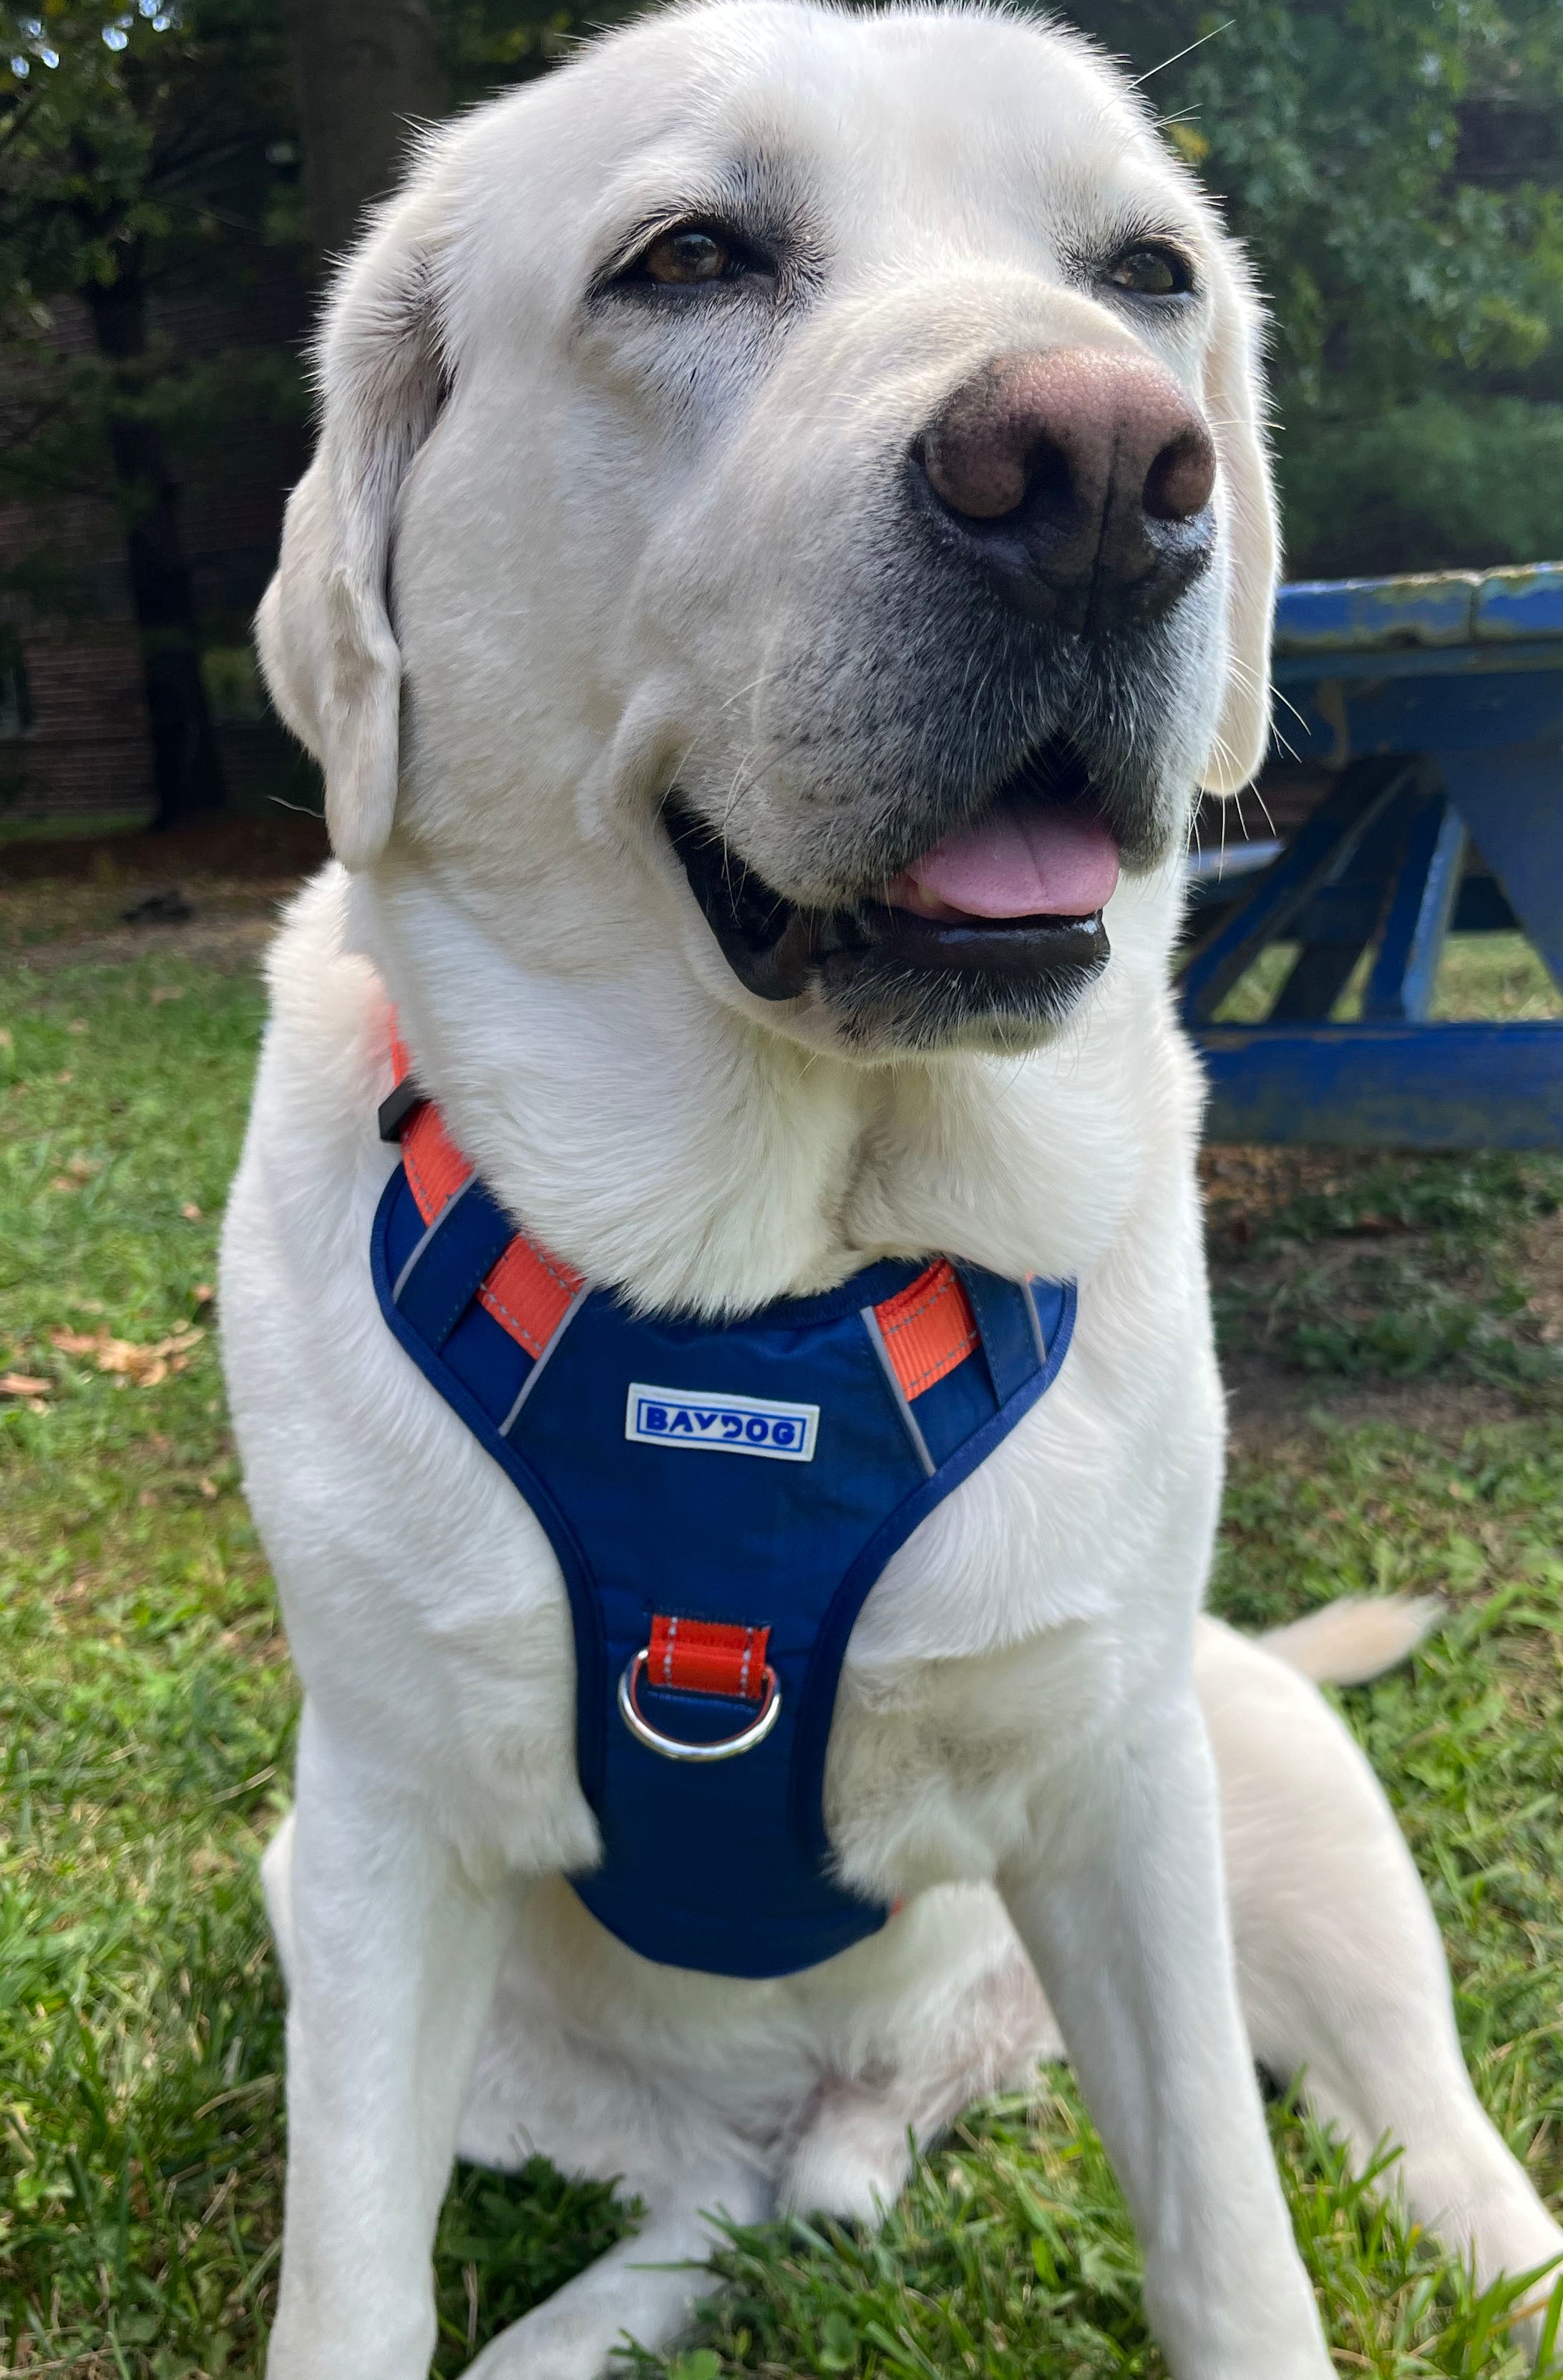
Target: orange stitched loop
(929, 1328)
(707, 1657)
(529, 1293)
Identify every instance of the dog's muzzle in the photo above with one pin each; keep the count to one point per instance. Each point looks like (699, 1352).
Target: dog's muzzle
(911, 960)
(776, 949)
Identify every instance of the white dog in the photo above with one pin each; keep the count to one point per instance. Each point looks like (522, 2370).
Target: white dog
(790, 524)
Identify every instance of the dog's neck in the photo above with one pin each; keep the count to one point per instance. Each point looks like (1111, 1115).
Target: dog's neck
(698, 1161)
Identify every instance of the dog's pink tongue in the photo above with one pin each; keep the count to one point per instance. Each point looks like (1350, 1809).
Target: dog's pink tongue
(1042, 863)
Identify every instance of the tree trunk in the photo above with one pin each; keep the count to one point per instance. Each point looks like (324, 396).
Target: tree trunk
(187, 765)
(363, 70)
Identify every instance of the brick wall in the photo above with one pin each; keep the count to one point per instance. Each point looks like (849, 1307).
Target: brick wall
(87, 752)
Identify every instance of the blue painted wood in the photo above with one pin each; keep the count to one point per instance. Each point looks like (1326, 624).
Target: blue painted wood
(1336, 719)
(1512, 802)
(1460, 676)
(1430, 611)
(1339, 912)
(1323, 848)
(1342, 912)
(1399, 989)
(1339, 613)
(1496, 657)
(1387, 1085)
(1324, 964)
(1520, 604)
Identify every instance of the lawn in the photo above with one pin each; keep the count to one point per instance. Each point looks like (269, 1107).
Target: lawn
(1395, 1330)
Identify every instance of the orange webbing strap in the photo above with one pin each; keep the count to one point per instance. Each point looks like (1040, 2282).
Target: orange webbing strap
(927, 1328)
(527, 1292)
(707, 1657)
(436, 1168)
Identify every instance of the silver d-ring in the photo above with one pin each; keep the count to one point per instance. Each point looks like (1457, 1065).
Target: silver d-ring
(673, 1747)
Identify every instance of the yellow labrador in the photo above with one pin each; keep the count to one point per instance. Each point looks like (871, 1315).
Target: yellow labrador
(790, 537)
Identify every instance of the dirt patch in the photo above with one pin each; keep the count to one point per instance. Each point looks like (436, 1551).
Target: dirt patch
(1542, 1256)
(1270, 1410)
(272, 842)
(231, 941)
(1247, 1189)
(209, 893)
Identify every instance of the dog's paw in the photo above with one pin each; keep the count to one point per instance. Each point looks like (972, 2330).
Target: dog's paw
(853, 2160)
(531, 2350)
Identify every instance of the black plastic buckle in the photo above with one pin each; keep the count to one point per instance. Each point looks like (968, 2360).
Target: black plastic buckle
(394, 1111)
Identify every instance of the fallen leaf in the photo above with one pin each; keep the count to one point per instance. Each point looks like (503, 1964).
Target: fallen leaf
(161, 991)
(66, 1077)
(190, 1212)
(209, 1489)
(77, 1025)
(148, 1366)
(7, 1038)
(23, 1384)
(203, 1294)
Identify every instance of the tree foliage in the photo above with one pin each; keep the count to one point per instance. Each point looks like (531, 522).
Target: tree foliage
(138, 148)
(1395, 167)
(153, 144)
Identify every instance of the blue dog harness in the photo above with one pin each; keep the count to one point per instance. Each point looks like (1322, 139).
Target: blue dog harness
(720, 1498)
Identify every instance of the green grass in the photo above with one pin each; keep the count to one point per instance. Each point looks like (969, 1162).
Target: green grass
(1496, 975)
(1358, 1264)
(1011, 2256)
(145, 1717)
(82, 830)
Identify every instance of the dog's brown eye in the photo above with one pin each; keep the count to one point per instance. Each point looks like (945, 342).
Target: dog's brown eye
(681, 257)
(1151, 272)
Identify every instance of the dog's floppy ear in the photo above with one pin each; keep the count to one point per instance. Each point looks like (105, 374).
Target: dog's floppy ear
(1234, 392)
(323, 628)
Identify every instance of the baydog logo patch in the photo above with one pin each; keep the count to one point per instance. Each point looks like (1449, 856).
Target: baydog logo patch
(721, 1424)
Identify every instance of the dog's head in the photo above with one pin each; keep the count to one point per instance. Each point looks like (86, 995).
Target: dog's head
(799, 473)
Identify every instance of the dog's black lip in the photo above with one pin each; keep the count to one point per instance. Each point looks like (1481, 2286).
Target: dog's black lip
(774, 946)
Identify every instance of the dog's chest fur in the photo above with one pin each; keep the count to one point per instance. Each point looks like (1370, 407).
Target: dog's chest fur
(426, 1612)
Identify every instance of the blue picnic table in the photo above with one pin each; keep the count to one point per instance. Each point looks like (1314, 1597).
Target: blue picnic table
(1436, 706)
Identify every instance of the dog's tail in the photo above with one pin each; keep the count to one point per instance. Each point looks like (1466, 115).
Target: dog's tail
(1357, 1637)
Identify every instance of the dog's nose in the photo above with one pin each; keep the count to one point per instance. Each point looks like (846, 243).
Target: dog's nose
(1080, 478)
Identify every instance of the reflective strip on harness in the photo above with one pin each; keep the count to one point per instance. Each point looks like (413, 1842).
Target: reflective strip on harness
(707, 1657)
(927, 1328)
(529, 1292)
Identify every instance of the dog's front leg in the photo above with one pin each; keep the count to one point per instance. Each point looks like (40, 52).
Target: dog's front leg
(1123, 1912)
(392, 1956)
